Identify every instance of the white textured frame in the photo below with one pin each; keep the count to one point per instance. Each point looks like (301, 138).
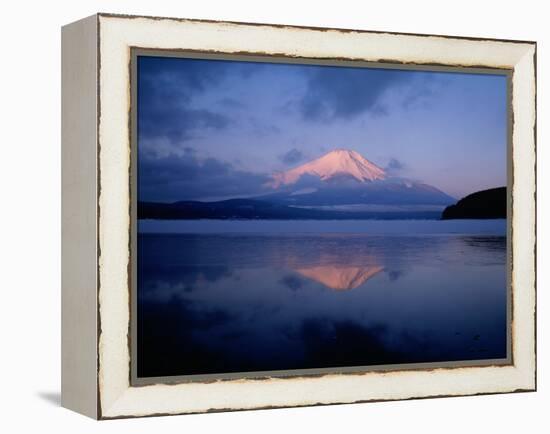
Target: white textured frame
(116, 35)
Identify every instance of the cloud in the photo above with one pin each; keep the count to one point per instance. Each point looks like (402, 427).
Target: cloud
(169, 337)
(163, 280)
(261, 128)
(166, 90)
(173, 177)
(176, 123)
(335, 92)
(394, 166)
(292, 282)
(292, 157)
(329, 342)
(232, 103)
(418, 97)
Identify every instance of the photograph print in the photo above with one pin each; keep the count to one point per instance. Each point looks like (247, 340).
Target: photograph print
(297, 218)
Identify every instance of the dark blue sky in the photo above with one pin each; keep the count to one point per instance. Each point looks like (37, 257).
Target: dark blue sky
(212, 129)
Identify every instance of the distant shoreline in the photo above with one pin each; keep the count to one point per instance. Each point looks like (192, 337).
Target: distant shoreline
(497, 227)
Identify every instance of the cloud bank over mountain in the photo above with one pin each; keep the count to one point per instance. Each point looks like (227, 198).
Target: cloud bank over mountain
(175, 177)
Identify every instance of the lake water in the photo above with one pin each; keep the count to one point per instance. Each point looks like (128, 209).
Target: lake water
(242, 296)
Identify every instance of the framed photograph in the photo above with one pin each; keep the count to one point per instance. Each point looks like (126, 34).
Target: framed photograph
(261, 216)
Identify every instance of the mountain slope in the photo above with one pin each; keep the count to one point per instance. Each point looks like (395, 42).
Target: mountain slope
(391, 191)
(337, 163)
(344, 177)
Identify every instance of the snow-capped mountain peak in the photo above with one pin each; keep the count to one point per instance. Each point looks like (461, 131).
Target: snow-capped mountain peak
(336, 163)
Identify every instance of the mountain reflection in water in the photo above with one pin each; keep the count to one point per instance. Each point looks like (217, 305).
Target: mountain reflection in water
(211, 303)
(340, 277)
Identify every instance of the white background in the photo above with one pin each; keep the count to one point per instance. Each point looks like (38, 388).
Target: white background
(30, 217)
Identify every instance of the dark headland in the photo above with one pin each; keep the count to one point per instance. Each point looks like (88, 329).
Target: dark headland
(486, 204)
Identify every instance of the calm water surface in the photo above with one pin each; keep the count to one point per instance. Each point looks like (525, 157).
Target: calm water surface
(388, 292)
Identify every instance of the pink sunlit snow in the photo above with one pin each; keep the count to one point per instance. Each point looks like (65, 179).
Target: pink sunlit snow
(340, 162)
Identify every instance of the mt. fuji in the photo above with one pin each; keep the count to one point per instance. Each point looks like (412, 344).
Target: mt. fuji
(337, 163)
(342, 178)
